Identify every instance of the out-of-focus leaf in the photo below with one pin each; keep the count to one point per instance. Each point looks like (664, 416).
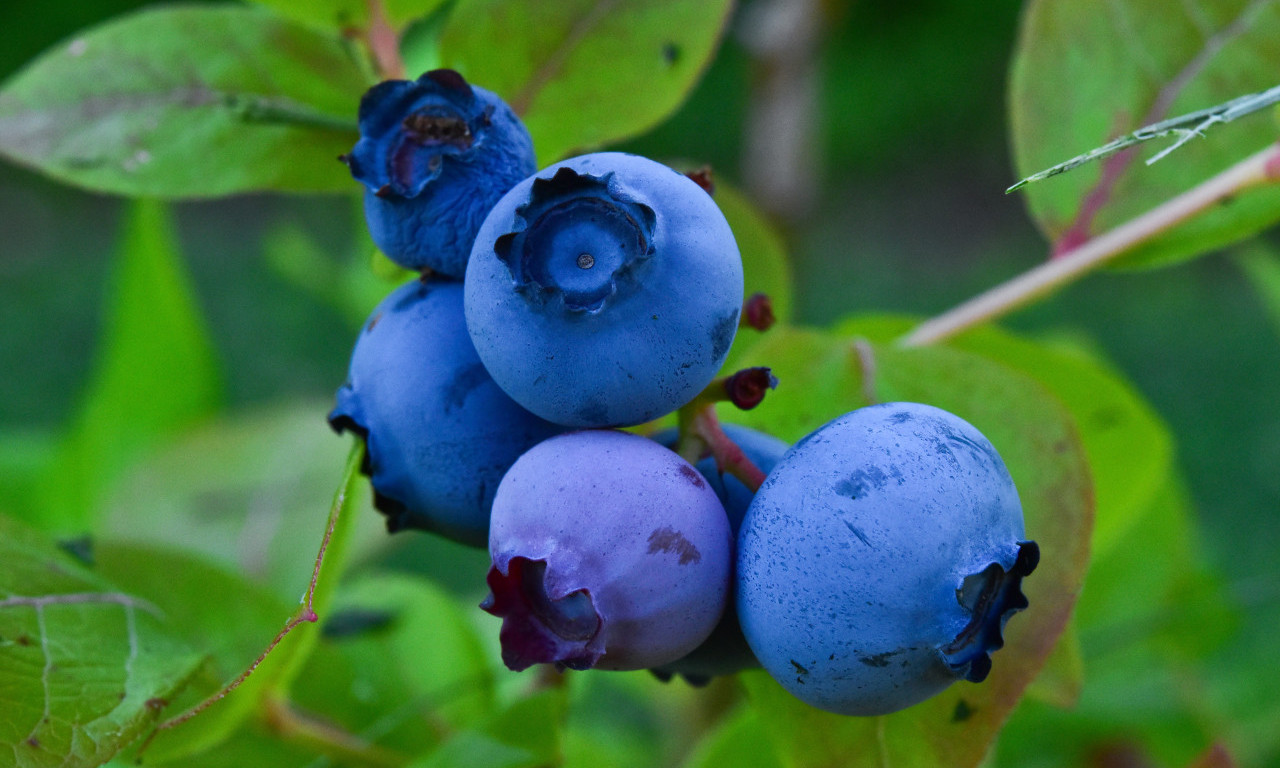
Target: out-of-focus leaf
(582, 72)
(188, 102)
(739, 740)
(156, 372)
(276, 672)
(249, 491)
(525, 735)
(350, 287)
(1149, 609)
(1034, 434)
(1261, 264)
(764, 254)
(422, 642)
(86, 668)
(1086, 72)
(1062, 678)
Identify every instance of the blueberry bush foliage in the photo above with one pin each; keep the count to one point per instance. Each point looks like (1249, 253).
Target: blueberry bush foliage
(154, 544)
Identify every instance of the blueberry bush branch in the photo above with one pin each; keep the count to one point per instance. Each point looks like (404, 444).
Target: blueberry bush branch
(1260, 168)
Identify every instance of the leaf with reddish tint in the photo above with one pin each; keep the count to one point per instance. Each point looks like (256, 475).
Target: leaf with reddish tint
(583, 73)
(1086, 72)
(822, 375)
(188, 101)
(86, 667)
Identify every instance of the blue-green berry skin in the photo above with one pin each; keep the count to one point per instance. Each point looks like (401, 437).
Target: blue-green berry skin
(853, 555)
(726, 651)
(604, 291)
(434, 155)
(439, 433)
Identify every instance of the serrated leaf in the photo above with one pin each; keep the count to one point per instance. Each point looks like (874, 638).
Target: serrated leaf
(1086, 72)
(188, 102)
(84, 667)
(583, 73)
(156, 372)
(1035, 435)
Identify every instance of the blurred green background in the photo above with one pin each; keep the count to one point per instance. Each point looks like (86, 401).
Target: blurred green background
(903, 211)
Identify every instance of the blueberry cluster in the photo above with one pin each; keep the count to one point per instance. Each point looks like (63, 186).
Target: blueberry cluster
(876, 564)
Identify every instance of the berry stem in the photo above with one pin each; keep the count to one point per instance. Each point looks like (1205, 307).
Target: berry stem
(1260, 168)
(298, 727)
(701, 435)
(384, 42)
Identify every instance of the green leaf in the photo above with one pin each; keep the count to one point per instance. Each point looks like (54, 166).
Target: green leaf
(738, 740)
(276, 672)
(1084, 73)
(525, 735)
(1149, 615)
(156, 372)
(419, 641)
(248, 492)
(583, 73)
(821, 375)
(764, 254)
(188, 102)
(85, 667)
(1260, 263)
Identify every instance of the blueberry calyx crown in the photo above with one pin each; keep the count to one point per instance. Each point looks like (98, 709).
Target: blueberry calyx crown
(577, 240)
(991, 597)
(409, 127)
(538, 628)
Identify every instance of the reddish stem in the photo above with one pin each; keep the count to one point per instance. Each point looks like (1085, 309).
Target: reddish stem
(384, 42)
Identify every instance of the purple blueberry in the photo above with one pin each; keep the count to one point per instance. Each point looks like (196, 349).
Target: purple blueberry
(434, 155)
(881, 559)
(726, 650)
(609, 551)
(439, 433)
(604, 291)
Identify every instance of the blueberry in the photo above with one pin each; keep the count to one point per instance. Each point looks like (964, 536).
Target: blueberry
(440, 433)
(726, 650)
(434, 155)
(604, 291)
(881, 558)
(609, 551)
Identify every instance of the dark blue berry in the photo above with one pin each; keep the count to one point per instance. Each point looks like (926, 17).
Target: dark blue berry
(440, 433)
(434, 155)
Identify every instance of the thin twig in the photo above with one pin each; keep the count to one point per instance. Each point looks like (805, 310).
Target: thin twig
(1185, 127)
(1259, 168)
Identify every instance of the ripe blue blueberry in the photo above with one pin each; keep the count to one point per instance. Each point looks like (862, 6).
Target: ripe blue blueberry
(434, 155)
(609, 551)
(881, 558)
(440, 434)
(726, 650)
(604, 291)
